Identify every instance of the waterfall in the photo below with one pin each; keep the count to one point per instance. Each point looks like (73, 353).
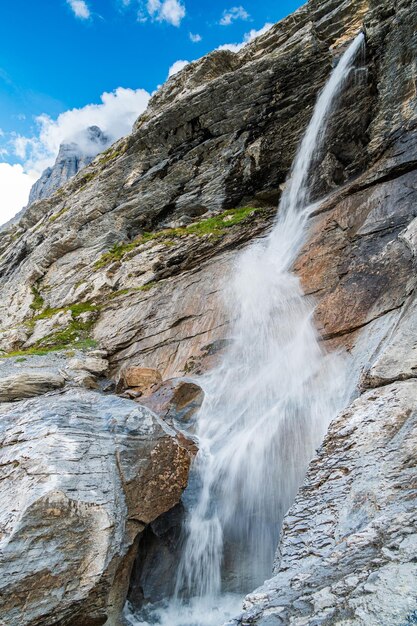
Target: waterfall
(267, 405)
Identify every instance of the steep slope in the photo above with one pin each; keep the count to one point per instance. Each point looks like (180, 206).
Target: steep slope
(147, 235)
(220, 135)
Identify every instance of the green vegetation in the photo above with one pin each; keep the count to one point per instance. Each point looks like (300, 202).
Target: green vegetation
(115, 253)
(111, 154)
(45, 314)
(38, 301)
(84, 180)
(76, 310)
(75, 335)
(83, 344)
(82, 307)
(216, 226)
(56, 216)
(123, 292)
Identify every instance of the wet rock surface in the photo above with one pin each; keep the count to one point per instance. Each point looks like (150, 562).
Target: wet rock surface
(348, 545)
(159, 551)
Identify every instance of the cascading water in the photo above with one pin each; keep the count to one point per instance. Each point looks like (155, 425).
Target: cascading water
(267, 406)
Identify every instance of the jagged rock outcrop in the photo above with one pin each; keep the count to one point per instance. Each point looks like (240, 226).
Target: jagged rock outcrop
(146, 236)
(82, 474)
(72, 157)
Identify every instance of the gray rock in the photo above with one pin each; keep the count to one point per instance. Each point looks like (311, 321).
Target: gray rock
(349, 542)
(70, 160)
(397, 359)
(92, 471)
(92, 364)
(28, 384)
(13, 338)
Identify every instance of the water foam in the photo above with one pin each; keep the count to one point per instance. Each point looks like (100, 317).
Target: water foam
(267, 405)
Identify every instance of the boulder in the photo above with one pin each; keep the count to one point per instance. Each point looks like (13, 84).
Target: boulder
(83, 378)
(177, 398)
(92, 471)
(92, 364)
(141, 379)
(28, 384)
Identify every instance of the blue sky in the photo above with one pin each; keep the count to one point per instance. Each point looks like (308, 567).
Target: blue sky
(60, 55)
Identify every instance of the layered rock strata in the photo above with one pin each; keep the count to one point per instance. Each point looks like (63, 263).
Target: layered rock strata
(135, 253)
(83, 474)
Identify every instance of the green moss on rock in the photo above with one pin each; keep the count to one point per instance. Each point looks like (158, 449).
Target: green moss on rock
(60, 213)
(38, 301)
(216, 226)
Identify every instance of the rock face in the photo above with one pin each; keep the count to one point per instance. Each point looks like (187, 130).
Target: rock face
(176, 399)
(348, 549)
(72, 157)
(135, 253)
(92, 471)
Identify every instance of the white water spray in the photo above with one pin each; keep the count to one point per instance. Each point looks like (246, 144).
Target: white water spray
(267, 406)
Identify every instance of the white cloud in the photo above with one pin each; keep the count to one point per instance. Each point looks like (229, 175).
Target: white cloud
(248, 37)
(177, 67)
(15, 185)
(171, 11)
(80, 9)
(233, 14)
(21, 145)
(141, 17)
(115, 116)
(195, 38)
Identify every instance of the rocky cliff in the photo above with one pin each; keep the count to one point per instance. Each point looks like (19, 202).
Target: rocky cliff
(72, 157)
(134, 254)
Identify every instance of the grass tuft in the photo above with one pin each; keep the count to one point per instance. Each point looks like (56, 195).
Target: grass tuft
(75, 335)
(38, 301)
(216, 226)
(124, 292)
(111, 154)
(56, 216)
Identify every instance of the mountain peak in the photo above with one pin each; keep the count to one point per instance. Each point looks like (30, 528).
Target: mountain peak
(72, 157)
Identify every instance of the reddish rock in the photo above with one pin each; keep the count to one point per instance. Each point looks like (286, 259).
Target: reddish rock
(178, 398)
(142, 380)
